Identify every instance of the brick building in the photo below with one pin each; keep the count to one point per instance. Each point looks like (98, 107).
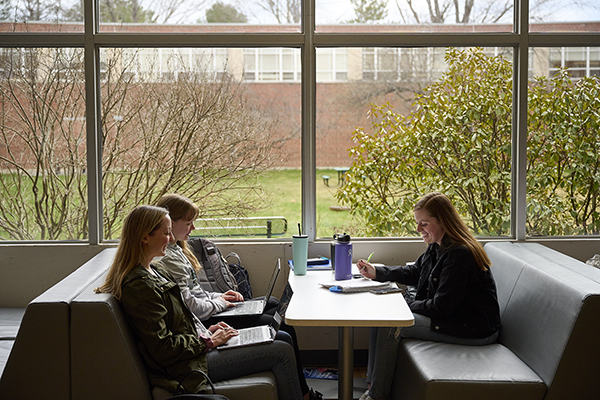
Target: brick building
(348, 79)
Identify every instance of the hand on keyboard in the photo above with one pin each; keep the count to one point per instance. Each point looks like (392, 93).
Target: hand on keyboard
(222, 335)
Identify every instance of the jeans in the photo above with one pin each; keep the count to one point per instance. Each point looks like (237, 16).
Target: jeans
(277, 357)
(383, 351)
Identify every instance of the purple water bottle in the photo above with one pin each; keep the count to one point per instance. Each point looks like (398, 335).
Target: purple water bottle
(343, 257)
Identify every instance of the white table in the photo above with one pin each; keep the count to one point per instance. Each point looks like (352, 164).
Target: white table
(312, 305)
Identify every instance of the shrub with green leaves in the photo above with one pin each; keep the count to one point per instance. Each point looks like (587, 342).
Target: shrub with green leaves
(563, 168)
(457, 140)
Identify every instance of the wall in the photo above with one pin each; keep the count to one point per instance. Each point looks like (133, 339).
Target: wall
(28, 270)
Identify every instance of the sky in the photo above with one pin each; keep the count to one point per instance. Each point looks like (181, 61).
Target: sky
(339, 11)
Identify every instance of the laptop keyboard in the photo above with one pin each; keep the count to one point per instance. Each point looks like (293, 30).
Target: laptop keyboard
(250, 307)
(250, 335)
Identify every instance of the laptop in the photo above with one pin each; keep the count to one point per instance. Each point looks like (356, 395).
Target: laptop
(252, 307)
(254, 335)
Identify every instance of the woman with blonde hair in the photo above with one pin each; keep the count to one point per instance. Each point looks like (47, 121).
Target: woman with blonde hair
(181, 262)
(455, 297)
(171, 340)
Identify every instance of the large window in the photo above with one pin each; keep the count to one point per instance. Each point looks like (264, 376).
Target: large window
(335, 117)
(423, 119)
(43, 161)
(183, 120)
(563, 172)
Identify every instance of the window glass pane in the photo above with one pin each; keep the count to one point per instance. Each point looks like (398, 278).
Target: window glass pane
(43, 184)
(562, 172)
(564, 16)
(331, 64)
(229, 143)
(266, 64)
(341, 60)
(376, 16)
(41, 17)
(250, 58)
(594, 56)
(555, 57)
(405, 123)
(269, 61)
(580, 61)
(287, 59)
(226, 16)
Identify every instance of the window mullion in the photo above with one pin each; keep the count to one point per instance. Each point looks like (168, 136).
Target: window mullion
(519, 125)
(93, 128)
(309, 107)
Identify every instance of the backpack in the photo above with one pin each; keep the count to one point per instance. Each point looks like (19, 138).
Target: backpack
(240, 273)
(218, 273)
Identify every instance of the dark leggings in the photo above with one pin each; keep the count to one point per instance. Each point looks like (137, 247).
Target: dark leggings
(240, 322)
(275, 357)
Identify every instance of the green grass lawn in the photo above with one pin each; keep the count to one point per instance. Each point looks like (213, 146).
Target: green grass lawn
(283, 191)
(283, 195)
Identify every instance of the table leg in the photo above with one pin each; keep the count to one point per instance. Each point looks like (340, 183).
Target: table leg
(346, 363)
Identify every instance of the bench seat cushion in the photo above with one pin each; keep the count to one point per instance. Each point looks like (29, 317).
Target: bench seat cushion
(432, 370)
(255, 386)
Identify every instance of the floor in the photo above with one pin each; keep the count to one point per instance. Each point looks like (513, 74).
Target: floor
(329, 387)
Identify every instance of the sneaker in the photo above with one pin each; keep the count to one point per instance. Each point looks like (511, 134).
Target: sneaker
(365, 396)
(315, 395)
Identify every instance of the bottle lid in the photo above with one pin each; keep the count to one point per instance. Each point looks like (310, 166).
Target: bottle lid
(342, 238)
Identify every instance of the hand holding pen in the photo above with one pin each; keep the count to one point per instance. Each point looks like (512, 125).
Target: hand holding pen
(366, 269)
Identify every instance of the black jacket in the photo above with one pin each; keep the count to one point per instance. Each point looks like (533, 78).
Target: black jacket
(451, 289)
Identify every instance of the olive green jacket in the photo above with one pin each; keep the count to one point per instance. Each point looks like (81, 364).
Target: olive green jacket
(165, 330)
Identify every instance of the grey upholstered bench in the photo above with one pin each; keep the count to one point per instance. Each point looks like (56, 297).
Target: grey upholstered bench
(75, 344)
(10, 320)
(548, 348)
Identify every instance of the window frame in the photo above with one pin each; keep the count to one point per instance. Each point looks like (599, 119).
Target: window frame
(307, 40)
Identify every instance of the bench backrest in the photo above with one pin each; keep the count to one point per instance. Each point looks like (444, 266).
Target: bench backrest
(104, 358)
(549, 255)
(549, 317)
(39, 365)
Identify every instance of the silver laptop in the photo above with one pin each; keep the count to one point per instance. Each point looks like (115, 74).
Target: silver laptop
(254, 335)
(253, 307)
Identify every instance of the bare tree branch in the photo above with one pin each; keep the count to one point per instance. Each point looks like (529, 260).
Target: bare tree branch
(197, 135)
(486, 11)
(284, 11)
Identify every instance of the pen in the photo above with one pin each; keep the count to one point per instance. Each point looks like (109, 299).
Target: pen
(368, 259)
